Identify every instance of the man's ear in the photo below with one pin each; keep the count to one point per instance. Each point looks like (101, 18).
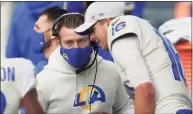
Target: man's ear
(52, 37)
(58, 40)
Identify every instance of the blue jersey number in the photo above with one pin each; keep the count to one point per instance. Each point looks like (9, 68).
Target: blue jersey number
(116, 27)
(3, 102)
(174, 57)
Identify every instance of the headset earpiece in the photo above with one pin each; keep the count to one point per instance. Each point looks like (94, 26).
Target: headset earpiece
(54, 32)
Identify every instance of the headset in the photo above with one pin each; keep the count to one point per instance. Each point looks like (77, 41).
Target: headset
(54, 29)
(94, 45)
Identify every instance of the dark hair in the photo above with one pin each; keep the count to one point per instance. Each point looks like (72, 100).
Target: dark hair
(53, 13)
(71, 21)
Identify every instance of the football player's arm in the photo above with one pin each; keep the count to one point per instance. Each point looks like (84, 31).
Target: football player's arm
(123, 104)
(30, 103)
(29, 99)
(125, 51)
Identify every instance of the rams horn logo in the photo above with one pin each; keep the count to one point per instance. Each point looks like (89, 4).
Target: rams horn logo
(65, 56)
(83, 97)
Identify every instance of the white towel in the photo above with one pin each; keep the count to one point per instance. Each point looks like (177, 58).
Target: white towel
(177, 29)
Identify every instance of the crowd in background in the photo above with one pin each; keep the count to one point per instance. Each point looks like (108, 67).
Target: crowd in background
(22, 41)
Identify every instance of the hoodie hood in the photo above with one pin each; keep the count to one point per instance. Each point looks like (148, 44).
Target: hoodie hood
(58, 63)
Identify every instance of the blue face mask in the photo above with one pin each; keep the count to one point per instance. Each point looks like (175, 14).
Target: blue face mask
(41, 44)
(77, 57)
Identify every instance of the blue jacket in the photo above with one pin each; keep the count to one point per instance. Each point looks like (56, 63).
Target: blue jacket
(40, 66)
(23, 41)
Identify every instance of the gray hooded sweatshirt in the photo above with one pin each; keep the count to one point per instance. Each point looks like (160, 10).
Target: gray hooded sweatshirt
(61, 90)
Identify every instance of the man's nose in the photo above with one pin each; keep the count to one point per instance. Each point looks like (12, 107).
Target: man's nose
(76, 45)
(92, 37)
(37, 29)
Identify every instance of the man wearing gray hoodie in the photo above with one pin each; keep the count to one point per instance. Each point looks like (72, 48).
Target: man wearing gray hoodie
(74, 81)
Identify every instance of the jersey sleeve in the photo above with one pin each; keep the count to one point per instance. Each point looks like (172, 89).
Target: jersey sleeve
(123, 103)
(127, 54)
(28, 81)
(122, 25)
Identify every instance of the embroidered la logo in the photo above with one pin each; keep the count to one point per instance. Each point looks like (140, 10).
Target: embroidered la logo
(83, 98)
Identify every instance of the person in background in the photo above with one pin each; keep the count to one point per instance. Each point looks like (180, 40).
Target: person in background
(44, 26)
(6, 12)
(18, 87)
(183, 9)
(18, 84)
(23, 41)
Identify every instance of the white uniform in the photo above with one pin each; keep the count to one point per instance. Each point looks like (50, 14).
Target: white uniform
(148, 57)
(61, 90)
(17, 78)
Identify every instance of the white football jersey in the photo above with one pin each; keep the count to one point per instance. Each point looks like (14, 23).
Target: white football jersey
(17, 78)
(160, 61)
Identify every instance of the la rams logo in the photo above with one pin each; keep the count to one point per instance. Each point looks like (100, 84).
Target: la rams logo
(83, 100)
(65, 56)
